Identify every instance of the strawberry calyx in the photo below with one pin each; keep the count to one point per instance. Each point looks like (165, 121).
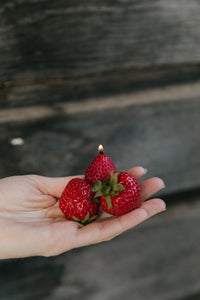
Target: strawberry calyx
(107, 187)
(86, 220)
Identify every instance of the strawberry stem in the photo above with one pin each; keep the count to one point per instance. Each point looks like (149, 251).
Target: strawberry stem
(108, 187)
(109, 201)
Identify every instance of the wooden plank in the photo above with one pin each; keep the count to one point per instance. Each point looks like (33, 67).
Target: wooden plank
(151, 96)
(156, 260)
(26, 92)
(162, 136)
(64, 38)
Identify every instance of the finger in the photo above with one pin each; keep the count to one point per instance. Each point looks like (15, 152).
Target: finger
(53, 186)
(150, 186)
(137, 172)
(106, 229)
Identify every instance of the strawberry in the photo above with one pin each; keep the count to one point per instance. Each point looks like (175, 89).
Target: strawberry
(119, 193)
(99, 169)
(76, 201)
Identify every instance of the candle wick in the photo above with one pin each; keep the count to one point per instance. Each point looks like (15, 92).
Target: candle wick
(100, 149)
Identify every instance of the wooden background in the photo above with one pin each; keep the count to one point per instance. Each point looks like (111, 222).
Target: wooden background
(126, 74)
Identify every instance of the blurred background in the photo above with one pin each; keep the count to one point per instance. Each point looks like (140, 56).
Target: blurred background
(126, 74)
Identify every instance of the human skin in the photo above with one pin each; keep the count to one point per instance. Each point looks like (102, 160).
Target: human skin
(32, 224)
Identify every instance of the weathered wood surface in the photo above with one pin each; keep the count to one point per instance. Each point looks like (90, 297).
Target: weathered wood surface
(63, 50)
(150, 96)
(157, 260)
(161, 136)
(74, 74)
(79, 37)
(26, 92)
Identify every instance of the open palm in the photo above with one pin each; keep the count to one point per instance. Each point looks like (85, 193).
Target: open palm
(32, 224)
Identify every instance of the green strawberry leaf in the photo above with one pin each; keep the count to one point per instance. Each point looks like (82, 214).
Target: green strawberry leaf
(105, 182)
(113, 178)
(96, 186)
(76, 219)
(92, 219)
(118, 187)
(98, 194)
(109, 201)
(106, 190)
(85, 220)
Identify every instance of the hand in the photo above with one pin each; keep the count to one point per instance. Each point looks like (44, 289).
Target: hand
(31, 223)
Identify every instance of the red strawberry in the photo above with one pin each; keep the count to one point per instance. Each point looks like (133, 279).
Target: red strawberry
(119, 194)
(99, 169)
(76, 201)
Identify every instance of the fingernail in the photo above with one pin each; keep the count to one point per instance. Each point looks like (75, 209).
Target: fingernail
(164, 205)
(145, 170)
(162, 184)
